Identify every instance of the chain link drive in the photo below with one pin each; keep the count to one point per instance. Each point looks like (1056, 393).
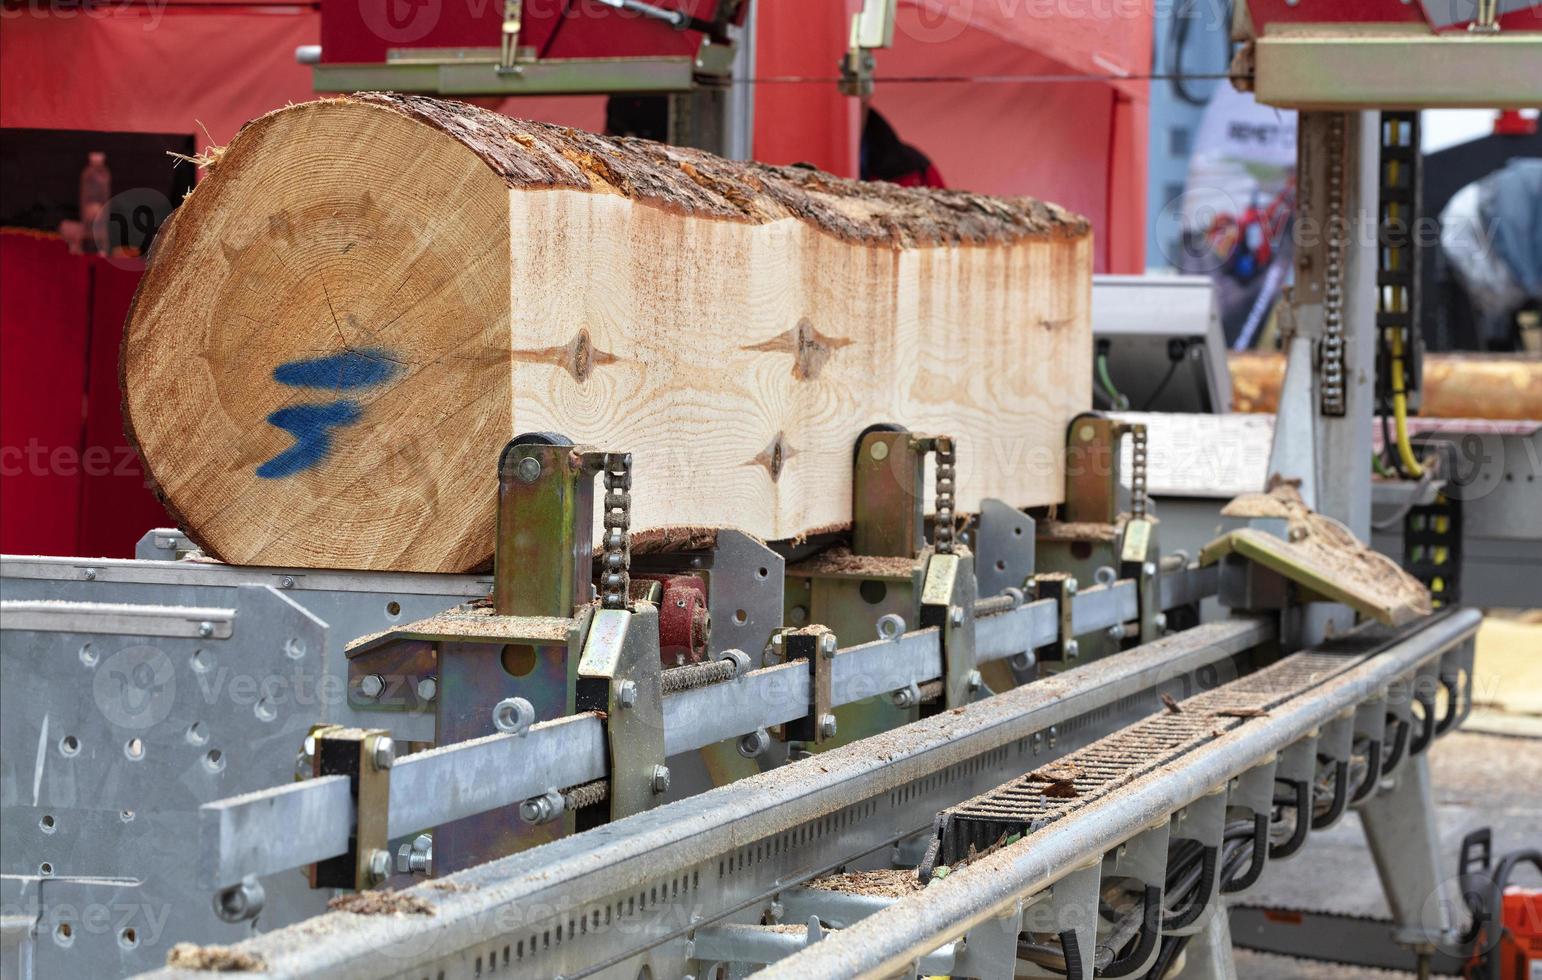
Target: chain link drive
(615, 574)
(944, 530)
(1337, 230)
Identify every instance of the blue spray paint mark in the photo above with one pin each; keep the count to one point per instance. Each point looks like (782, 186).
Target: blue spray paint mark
(311, 426)
(339, 372)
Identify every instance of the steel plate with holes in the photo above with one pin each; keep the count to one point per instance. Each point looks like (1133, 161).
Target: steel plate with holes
(351, 604)
(114, 740)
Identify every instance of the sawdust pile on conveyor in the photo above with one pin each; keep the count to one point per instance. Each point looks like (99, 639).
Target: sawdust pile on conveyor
(883, 882)
(1326, 543)
(217, 959)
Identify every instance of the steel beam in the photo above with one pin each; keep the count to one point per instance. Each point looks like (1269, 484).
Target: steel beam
(885, 943)
(1396, 66)
(631, 888)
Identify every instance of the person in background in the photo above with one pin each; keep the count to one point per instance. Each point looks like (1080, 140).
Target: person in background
(884, 156)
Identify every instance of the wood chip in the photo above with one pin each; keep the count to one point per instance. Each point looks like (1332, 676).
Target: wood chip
(217, 959)
(381, 903)
(1173, 707)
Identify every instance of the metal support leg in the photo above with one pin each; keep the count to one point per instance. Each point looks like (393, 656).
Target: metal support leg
(1208, 955)
(1400, 829)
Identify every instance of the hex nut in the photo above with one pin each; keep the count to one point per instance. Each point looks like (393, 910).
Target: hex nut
(626, 694)
(660, 781)
(371, 686)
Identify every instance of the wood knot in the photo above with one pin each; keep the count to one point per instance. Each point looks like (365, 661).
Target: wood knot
(809, 348)
(775, 456)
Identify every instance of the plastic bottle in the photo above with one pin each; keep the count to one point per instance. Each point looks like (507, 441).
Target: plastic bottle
(95, 192)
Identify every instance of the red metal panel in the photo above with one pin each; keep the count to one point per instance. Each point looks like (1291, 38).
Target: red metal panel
(44, 323)
(362, 31)
(116, 507)
(797, 121)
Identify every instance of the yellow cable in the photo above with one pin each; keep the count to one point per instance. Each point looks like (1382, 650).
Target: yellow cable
(1405, 450)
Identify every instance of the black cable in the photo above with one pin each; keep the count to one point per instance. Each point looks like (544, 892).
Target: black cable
(1161, 386)
(551, 39)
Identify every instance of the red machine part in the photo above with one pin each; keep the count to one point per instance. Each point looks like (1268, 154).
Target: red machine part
(683, 619)
(1520, 948)
(362, 31)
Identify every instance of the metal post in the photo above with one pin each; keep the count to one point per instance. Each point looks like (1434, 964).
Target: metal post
(1330, 350)
(1405, 844)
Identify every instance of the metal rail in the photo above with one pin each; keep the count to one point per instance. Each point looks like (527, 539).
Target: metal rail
(640, 885)
(301, 823)
(888, 941)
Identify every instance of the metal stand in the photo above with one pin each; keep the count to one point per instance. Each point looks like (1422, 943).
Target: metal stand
(1405, 844)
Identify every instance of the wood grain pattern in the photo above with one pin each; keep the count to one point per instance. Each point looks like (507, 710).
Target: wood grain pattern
(369, 296)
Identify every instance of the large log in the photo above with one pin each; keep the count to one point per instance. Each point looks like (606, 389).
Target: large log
(367, 297)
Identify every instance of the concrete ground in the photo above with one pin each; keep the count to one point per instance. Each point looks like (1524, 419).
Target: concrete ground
(1480, 779)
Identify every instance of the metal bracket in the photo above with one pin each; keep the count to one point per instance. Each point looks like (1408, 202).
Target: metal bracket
(1139, 559)
(1061, 588)
(947, 602)
(888, 490)
(365, 756)
(815, 645)
(544, 545)
(619, 675)
(1092, 469)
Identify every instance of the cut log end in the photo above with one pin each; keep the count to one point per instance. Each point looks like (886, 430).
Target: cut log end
(344, 323)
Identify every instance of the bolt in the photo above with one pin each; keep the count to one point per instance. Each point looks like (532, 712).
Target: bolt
(827, 645)
(956, 615)
(1054, 735)
(416, 858)
(907, 697)
(371, 686)
(754, 743)
(799, 615)
(379, 865)
(827, 726)
(542, 809)
(428, 689)
(1160, 621)
(1148, 569)
(287, 582)
(975, 681)
(626, 694)
(240, 902)
(90, 574)
(776, 911)
(660, 780)
(206, 630)
(1072, 649)
(529, 468)
(385, 755)
(1037, 742)
(1116, 631)
(879, 450)
(1070, 586)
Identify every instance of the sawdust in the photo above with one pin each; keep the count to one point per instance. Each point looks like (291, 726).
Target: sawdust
(477, 620)
(1077, 531)
(381, 903)
(1242, 713)
(883, 882)
(216, 959)
(671, 538)
(840, 561)
(446, 885)
(1328, 545)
